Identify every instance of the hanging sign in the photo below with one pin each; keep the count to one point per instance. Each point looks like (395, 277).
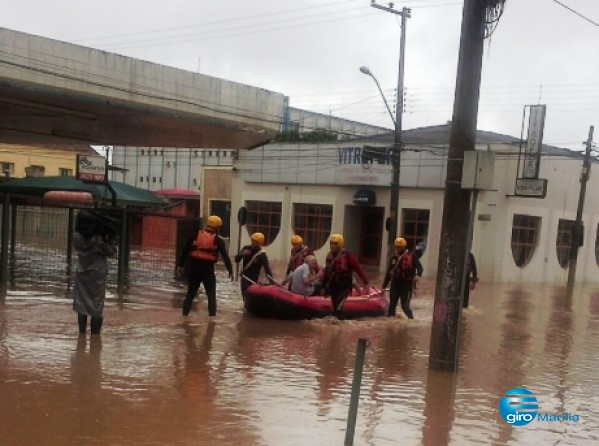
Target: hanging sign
(91, 168)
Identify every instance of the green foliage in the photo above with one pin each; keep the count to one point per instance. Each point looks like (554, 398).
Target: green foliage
(319, 135)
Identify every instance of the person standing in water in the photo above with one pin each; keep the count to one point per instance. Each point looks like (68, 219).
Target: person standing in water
(94, 245)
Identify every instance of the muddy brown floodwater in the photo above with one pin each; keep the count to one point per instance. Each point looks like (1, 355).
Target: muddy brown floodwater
(156, 378)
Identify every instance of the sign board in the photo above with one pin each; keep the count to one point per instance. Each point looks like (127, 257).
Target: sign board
(365, 196)
(532, 155)
(531, 187)
(91, 168)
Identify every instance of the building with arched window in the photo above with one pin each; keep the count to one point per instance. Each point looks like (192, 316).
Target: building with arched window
(344, 187)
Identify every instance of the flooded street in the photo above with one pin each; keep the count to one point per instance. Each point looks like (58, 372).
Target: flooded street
(156, 378)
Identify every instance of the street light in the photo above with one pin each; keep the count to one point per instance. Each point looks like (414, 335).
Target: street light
(396, 152)
(366, 71)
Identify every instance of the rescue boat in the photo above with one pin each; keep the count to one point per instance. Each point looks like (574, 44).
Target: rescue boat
(275, 301)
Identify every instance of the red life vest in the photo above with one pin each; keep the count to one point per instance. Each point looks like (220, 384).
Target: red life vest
(405, 270)
(204, 247)
(297, 257)
(338, 267)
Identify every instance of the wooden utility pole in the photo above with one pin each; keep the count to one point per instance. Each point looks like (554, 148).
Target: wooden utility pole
(452, 248)
(578, 232)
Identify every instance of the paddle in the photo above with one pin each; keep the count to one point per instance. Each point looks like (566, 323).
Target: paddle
(248, 279)
(271, 278)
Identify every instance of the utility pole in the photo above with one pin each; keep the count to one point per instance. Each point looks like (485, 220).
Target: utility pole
(456, 207)
(578, 230)
(396, 152)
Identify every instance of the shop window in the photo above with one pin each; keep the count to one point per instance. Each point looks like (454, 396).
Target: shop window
(35, 171)
(563, 242)
(264, 217)
(8, 169)
(313, 223)
(415, 226)
(525, 236)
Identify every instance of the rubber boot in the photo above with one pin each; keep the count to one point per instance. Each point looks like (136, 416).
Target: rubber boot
(96, 325)
(82, 320)
(187, 306)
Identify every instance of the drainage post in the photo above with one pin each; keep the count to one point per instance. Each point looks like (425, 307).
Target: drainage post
(355, 391)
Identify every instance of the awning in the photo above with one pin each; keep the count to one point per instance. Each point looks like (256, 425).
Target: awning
(38, 186)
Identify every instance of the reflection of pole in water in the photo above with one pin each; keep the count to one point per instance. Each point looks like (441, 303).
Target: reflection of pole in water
(439, 407)
(513, 350)
(558, 341)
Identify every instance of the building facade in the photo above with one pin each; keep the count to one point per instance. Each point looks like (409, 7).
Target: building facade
(317, 189)
(19, 161)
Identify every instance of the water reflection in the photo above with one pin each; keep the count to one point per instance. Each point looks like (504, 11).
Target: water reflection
(439, 404)
(156, 378)
(86, 390)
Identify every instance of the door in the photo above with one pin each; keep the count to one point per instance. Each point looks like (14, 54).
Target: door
(222, 208)
(371, 235)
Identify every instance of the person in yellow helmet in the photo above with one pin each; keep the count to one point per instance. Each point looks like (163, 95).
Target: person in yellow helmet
(203, 250)
(403, 271)
(253, 259)
(299, 251)
(338, 280)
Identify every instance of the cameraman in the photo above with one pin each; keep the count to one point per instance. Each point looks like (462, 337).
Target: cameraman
(94, 245)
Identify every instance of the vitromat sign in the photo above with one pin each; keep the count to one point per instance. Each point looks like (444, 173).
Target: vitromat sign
(91, 168)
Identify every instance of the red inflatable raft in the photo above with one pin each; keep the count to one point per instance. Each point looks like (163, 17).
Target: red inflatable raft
(277, 302)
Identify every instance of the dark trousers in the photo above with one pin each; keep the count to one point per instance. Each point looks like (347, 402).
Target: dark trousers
(195, 280)
(400, 291)
(339, 293)
(96, 323)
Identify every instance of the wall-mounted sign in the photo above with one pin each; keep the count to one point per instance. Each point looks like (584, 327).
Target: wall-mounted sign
(532, 155)
(365, 196)
(533, 188)
(91, 168)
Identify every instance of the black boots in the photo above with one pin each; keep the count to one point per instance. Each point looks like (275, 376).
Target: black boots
(82, 320)
(96, 325)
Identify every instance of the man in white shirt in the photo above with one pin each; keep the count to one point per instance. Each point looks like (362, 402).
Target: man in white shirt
(304, 277)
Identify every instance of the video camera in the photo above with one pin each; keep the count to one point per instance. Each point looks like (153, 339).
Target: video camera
(97, 222)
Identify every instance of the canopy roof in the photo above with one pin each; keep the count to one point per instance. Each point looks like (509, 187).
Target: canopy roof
(178, 193)
(38, 186)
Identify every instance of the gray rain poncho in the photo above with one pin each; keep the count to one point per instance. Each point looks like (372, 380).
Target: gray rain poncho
(92, 269)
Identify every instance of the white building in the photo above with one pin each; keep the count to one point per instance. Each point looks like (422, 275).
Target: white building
(317, 189)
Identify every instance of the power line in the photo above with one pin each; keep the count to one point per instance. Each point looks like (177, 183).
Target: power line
(577, 13)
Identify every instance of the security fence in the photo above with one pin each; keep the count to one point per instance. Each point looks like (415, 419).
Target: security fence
(39, 246)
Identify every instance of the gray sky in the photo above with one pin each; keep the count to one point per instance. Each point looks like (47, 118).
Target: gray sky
(311, 51)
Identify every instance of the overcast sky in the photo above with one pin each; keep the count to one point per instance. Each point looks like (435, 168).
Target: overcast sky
(542, 51)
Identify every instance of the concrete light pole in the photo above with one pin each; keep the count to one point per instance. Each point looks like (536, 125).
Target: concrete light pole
(367, 71)
(396, 152)
(578, 235)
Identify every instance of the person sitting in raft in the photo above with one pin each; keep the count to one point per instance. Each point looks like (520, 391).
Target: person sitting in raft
(305, 278)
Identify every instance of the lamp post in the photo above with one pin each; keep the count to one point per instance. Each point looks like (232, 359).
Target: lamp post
(367, 71)
(396, 152)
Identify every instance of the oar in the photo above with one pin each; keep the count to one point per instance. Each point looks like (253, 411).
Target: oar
(271, 278)
(248, 279)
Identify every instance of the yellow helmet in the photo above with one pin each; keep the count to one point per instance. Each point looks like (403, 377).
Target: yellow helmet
(337, 238)
(214, 221)
(297, 240)
(400, 243)
(258, 237)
